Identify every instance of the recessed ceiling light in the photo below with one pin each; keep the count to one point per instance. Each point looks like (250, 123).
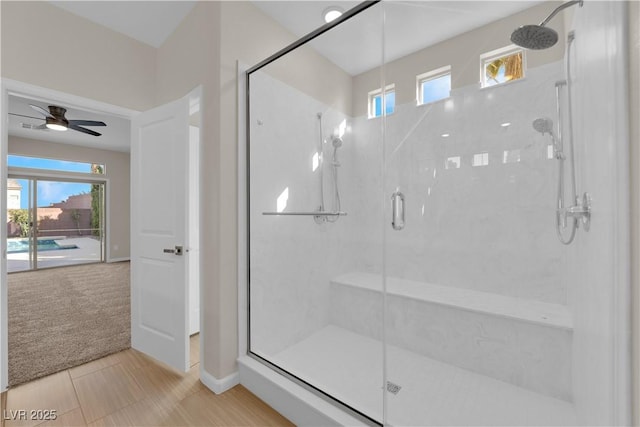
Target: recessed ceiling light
(332, 13)
(445, 135)
(505, 125)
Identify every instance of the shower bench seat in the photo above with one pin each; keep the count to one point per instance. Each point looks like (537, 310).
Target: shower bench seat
(526, 310)
(524, 342)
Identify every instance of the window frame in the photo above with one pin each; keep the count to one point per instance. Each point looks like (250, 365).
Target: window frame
(52, 159)
(431, 75)
(375, 93)
(490, 56)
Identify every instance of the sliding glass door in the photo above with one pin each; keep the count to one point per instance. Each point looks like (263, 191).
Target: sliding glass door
(20, 193)
(54, 222)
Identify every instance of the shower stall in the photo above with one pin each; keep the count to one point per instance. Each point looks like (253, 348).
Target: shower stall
(437, 215)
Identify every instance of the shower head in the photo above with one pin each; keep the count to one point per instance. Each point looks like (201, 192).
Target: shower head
(543, 125)
(534, 37)
(336, 141)
(540, 36)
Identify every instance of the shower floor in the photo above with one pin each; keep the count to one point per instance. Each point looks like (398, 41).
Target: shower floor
(348, 366)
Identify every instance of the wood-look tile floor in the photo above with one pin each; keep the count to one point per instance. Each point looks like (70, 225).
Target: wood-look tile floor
(131, 389)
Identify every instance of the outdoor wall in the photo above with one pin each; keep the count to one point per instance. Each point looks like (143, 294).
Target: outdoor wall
(52, 219)
(89, 60)
(117, 174)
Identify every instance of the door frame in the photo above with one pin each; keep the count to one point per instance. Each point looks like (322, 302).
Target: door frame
(14, 87)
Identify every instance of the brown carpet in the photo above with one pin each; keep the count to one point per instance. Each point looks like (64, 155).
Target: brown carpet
(63, 317)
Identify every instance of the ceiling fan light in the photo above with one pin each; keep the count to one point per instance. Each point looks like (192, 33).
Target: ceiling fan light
(56, 126)
(56, 123)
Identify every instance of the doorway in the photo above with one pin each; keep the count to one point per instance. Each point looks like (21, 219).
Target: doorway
(113, 243)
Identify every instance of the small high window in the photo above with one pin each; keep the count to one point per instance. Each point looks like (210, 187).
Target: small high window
(54, 164)
(502, 65)
(380, 102)
(434, 85)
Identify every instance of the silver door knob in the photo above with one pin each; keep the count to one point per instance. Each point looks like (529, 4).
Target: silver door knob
(177, 250)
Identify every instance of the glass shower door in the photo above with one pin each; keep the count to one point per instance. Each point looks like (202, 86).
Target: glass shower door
(477, 323)
(315, 261)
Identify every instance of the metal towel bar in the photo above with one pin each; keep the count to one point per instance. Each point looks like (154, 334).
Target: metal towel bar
(318, 213)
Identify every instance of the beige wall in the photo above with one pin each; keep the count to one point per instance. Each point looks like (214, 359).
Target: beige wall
(634, 116)
(204, 50)
(304, 69)
(190, 57)
(461, 52)
(117, 174)
(89, 60)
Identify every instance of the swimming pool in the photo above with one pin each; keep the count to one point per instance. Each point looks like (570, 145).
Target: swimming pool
(18, 246)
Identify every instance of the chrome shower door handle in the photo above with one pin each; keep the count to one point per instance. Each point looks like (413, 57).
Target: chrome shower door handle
(397, 210)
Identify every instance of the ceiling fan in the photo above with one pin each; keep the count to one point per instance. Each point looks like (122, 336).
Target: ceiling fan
(55, 120)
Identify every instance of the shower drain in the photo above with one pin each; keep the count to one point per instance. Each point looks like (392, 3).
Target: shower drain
(393, 388)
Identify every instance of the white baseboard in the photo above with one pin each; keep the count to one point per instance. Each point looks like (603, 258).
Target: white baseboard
(110, 260)
(219, 386)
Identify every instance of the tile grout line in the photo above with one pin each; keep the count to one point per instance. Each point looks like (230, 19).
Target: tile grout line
(75, 391)
(97, 370)
(128, 373)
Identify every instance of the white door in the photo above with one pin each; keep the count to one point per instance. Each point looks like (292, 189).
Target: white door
(159, 224)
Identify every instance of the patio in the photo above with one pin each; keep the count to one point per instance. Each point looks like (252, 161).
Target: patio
(87, 251)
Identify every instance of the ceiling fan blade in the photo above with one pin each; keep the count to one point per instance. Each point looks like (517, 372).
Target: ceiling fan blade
(41, 110)
(86, 123)
(28, 117)
(83, 130)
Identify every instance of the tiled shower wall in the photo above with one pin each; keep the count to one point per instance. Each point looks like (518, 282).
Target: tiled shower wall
(486, 227)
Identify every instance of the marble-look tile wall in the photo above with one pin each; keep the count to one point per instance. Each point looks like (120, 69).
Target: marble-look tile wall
(293, 258)
(485, 227)
(479, 186)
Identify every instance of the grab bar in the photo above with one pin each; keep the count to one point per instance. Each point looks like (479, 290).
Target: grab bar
(318, 213)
